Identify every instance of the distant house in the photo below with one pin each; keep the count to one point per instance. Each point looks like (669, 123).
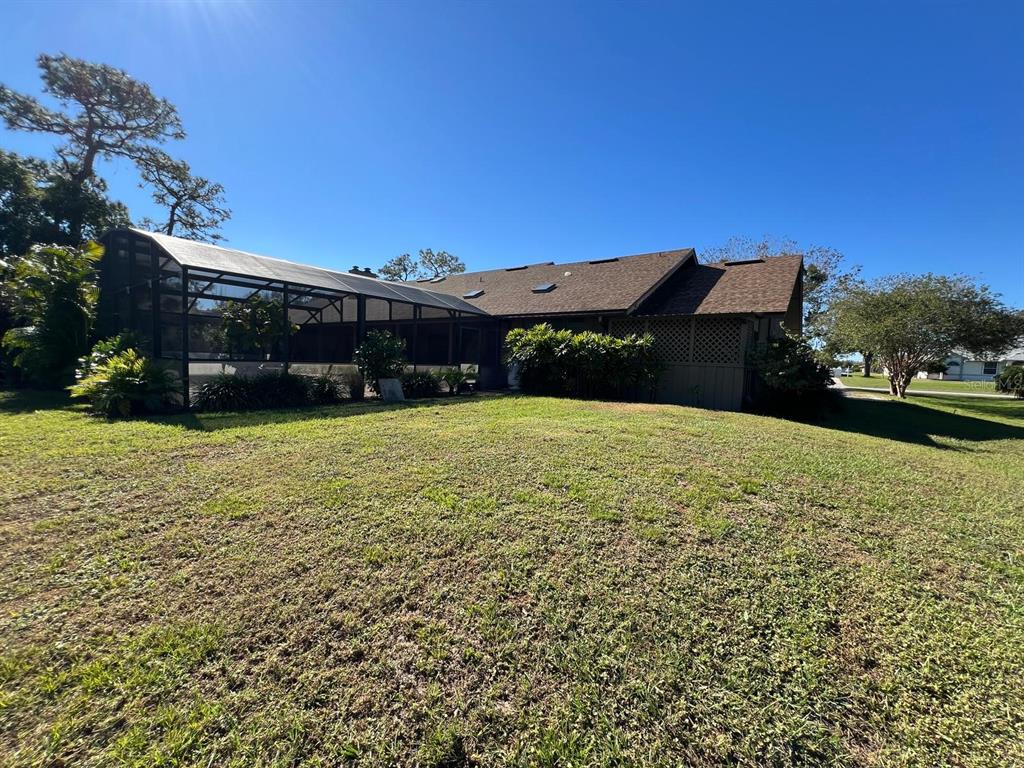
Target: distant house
(962, 367)
(704, 317)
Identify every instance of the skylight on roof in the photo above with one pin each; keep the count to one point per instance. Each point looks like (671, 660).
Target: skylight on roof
(473, 294)
(604, 261)
(543, 288)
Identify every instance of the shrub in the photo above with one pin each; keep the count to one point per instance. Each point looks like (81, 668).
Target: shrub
(273, 389)
(420, 384)
(225, 392)
(380, 356)
(584, 364)
(1011, 380)
(791, 380)
(456, 378)
(102, 351)
(125, 384)
(280, 389)
(327, 389)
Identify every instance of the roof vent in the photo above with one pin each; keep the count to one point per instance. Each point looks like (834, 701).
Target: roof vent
(603, 261)
(362, 272)
(543, 288)
(734, 262)
(473, 294)
(437, 279)
(527, 266)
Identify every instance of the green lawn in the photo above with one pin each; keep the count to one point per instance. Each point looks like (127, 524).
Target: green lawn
(500, 580)
(943, 385)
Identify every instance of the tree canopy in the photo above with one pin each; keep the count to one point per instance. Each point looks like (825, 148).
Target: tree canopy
(428, 265)
(908, 321)
(53, 294)
(400, 268)
(104, 113)
(195, 205)
(38, 200)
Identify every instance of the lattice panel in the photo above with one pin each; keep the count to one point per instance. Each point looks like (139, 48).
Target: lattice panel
(717, 340)
(671, 340)
(624, 326)
(671, 335)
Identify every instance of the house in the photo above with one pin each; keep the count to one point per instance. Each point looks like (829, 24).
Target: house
(704, 317)
(960, 366)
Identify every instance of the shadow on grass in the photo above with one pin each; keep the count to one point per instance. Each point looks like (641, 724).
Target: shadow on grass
(913, 421)
(211, 422)
(30, 400)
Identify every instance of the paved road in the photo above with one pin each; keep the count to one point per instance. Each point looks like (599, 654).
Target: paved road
(948, 393)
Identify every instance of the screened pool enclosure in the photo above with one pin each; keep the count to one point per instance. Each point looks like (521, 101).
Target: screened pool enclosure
(204, 309)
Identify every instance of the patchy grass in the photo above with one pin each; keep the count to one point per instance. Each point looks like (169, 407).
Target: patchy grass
(513, 581)
(937, 385)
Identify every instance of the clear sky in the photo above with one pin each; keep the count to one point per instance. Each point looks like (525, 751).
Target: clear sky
(346, 133)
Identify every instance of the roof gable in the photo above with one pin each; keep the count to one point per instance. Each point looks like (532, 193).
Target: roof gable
(764, 286)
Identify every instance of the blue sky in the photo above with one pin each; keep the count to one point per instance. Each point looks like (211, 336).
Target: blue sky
(507, 133)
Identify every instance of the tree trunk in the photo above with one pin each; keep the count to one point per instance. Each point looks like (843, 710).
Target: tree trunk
(868, 358)
(77, 218)
(172, 219)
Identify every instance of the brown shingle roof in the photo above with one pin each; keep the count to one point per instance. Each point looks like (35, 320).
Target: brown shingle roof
(663, 283)
(724, 288)
(591, 286)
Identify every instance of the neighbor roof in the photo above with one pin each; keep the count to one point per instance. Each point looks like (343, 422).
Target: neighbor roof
(190, 253)
(762, 286)
(601, 285)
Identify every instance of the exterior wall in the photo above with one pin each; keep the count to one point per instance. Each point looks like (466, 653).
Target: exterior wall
(962, 369)
(704, 357)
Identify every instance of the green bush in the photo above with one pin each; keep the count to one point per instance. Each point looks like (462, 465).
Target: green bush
(584, 364)
(126, 384)
(225, 392)
(327, 389)
(420, 384)
(1011, 380)
(380, 356)
(277, 389)
(103, 350)
(457, 378)
(280, 389)
(791, 381)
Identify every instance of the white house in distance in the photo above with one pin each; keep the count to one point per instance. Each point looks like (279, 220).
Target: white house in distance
(960, 367)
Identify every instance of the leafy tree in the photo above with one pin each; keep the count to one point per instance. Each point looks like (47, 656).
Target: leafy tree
(440, 264)
(401, 268)
(380, 356)
(195, 206)
(911, 320)
(255, 325)
(38, 202)
(104, 114)
(53, 292)
(429, 264)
